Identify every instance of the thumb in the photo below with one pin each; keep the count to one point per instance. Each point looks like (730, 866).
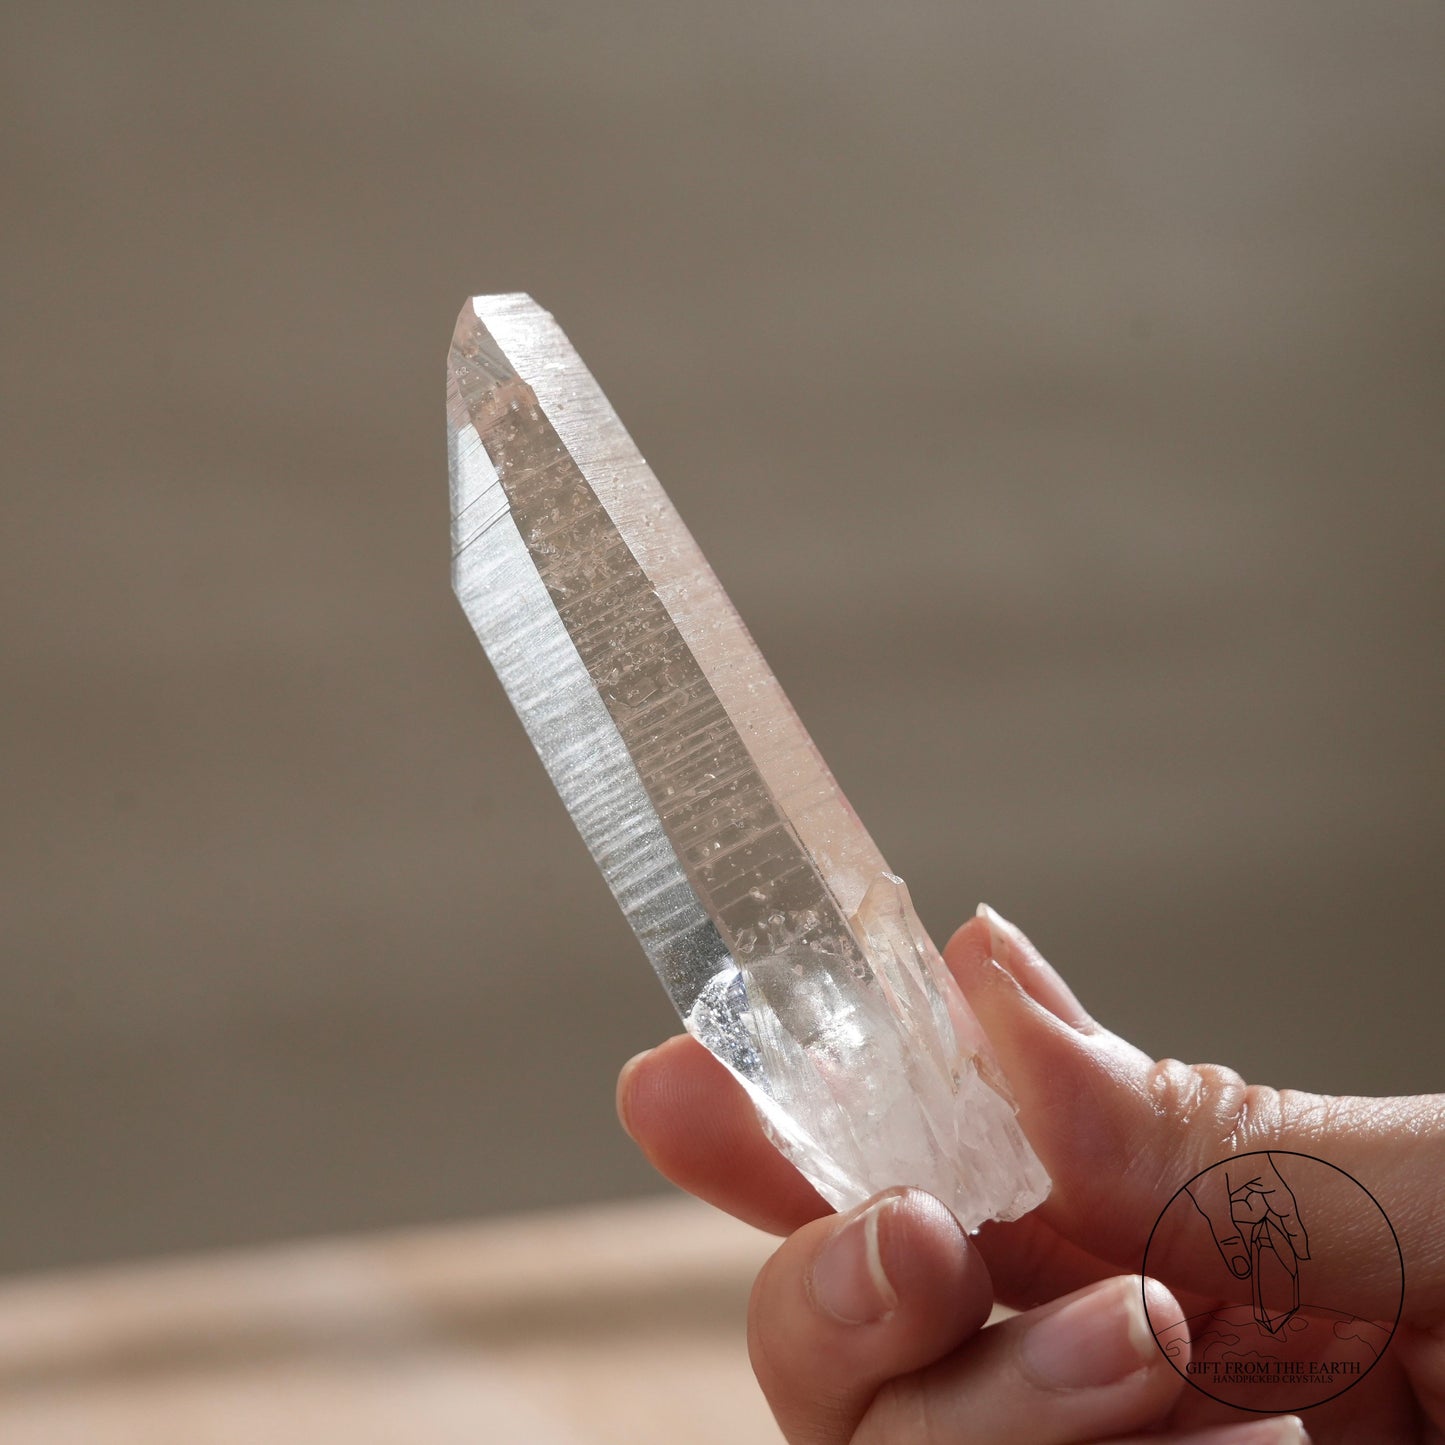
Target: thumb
(852, 1301)
(1120, 1133)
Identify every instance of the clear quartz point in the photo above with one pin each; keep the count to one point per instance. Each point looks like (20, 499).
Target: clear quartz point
(787, 946)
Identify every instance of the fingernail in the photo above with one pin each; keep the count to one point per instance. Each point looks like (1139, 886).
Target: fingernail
(1038, 978)
(625, 1074)
(1093, 1340)
(848, 1280)
(1240, 1265)
(1283, 1430)
(1291, 1432)
(997, 940)
(1286, 1430)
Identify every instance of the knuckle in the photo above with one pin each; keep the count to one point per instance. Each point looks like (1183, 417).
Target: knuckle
(1217, 1111)
(1218, 1114)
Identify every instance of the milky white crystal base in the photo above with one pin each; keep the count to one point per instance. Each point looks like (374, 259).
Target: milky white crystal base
(858, 1071)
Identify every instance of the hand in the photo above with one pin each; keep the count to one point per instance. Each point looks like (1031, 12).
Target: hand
(869, 1327)
(1235, 1201)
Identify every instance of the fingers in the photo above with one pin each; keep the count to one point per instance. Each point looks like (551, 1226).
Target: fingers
(866, 1328)
(849, 1302)
(1283, 1430)
(1038, 978)
(697, 1127)
(1120, 1133)
(1084, 1368)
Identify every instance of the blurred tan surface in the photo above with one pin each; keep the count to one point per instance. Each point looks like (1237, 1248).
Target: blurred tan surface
(616, 1325)
(1056, 388)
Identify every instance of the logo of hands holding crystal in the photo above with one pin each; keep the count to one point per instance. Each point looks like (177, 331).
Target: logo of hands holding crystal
(1276, 1315)
(1252, 1214)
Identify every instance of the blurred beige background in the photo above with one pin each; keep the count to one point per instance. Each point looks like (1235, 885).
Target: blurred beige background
(1057, 388)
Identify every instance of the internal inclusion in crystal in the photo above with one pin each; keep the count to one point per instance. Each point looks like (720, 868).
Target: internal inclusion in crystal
(857, 1073)
(860, 1055)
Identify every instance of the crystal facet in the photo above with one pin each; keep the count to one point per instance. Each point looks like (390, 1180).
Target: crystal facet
(786, 945)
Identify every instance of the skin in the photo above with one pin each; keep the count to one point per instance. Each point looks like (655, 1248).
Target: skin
(871, 1326)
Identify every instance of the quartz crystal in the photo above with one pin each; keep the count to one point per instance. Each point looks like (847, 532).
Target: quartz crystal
(788, 947)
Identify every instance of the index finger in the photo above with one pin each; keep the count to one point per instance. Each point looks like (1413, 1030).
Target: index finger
(698, 1128)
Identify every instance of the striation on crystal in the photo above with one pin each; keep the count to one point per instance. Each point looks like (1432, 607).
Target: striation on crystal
(787, 946)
